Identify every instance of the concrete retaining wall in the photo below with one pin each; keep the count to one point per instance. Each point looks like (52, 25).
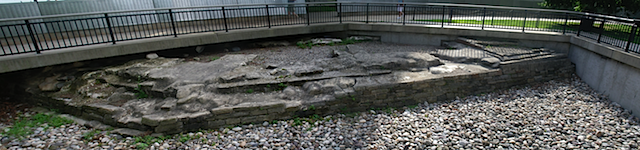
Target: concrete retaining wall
(608, 71)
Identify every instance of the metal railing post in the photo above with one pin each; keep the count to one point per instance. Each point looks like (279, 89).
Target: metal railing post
(450, 16)
(308, 15)
(566, 19)
(340, 13)
(268, 17)
(631, 37)
(414, 14)
(442, 21)
(601, 29)
(367, 21)
(537, 19)
(524, 22)
(484, 13)
(579, 27)
(173, 23)
(493, 14)
(33, 37)
(224, 19)
(113, 37)
(404, 16)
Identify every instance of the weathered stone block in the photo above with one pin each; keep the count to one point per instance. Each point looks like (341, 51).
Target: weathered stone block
(292, 106)
(200, 116)
(110, 120)
(422, 96)
(254, 119)
(213, 124)
(106, 109)
(380, 96)
(400, 93)
(246, 107)
(223, 116)
(175, 127)
(194, 126)
(380, 91)
(432, 99)
(240, 114)
(312, 88)
(170, 103)
(418, 86)
(258, 112)
(275, 110)
(270, 105)
(221, 110)
(156, 119)
(188, 99)
(92, 116)
(232, 121)
(187, 90)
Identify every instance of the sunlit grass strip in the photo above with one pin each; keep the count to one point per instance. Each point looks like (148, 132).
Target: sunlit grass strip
(617, 31)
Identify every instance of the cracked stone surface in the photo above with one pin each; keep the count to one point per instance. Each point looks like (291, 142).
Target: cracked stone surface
(162, 91)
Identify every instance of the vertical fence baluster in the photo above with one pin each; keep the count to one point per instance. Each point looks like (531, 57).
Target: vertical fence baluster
(340, 13)
(493, 14)
(308, 15)
(580, 25)
(33, 37)
(414, 14)
(268, 17)
(113, 37)
(450, 15)
(367, 21)
(224, 19)
(484, 13)
(442, 21)
(173, 23)
(566, 19)
(631, 36)
(537, 19)
(601, 29)
(404, 15)
(524, 22)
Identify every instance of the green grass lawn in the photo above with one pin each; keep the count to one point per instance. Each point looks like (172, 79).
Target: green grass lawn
(26, 125)
(516, 23)
(617, 31)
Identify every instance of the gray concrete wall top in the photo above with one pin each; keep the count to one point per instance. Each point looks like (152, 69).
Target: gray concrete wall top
(607, 51)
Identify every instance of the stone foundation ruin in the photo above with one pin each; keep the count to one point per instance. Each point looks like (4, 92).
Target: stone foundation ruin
(170, 95)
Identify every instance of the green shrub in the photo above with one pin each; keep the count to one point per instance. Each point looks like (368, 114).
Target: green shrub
(140, 93)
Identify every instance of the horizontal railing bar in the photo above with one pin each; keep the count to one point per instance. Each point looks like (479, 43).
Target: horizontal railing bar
(284, 4)
(502, 7)
(139, 10)
(133, 24)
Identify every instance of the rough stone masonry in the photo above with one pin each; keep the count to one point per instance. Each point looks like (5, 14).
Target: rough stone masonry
(170, 95)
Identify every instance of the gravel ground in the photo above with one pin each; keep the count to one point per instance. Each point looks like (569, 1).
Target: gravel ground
(563, 114)
(551, 115)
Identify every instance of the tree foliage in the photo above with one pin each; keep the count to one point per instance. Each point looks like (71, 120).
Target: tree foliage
(610, 7)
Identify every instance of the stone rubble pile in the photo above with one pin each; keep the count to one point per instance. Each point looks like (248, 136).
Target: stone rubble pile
(563, 114)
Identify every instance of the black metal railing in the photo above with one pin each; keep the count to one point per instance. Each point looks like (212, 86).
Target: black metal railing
(37, 34)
